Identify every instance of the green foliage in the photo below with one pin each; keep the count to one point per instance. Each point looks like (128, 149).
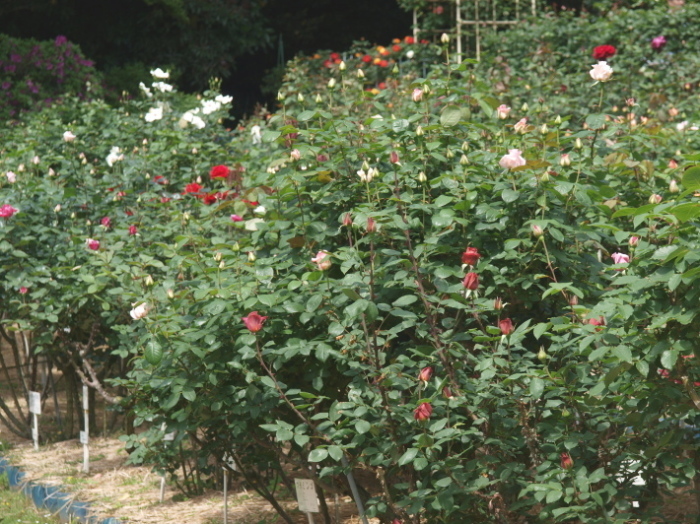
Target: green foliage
(344, 220)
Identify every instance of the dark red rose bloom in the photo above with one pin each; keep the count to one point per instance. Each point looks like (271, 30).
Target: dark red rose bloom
(603, 52)
(471, 256)
(219, 172)
(423, 411)
(254, 321)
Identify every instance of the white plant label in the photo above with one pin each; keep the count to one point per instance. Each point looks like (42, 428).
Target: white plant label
(228, 459)
(86, 402)
(35, 402)
(306, 495)
(83, 437)
(169, 436)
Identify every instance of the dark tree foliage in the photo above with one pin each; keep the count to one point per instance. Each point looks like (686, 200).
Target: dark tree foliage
(198, 38)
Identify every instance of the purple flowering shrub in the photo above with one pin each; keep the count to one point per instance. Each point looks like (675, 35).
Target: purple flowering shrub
(36, 74)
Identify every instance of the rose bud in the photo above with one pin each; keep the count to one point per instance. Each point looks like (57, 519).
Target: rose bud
(506, 326)
(471, 281)
(566, 461)
(425, 374)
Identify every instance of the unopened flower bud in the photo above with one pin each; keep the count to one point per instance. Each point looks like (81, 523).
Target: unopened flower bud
(422, 178)
(672, 164)
(464, 160)
(578, 144)
(170, 293)
(360, 74)
(365, 166)
(295, 154)
(300, 97)
(445, 38)
(251, 256)
(342, 66)
(148, 280)
(449, 153)
(222, 264)
(218, 256)
(57, 209)
(371, 225)
(542, 355)
(524, 107)
(673, 187)
(394, 157)
(537, 231)
(655, 199)
(280, 96)
(544, 129)
(633, 241)
(318, 98)
(347, 219)
(565, 160)
(419, 131)
(498, 304)
(557, 120)
(544, 177)
(331, 83)
(186, 217)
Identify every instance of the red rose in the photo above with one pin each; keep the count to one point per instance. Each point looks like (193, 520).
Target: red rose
(566, 461)
(425, 374)
(471, 281)
(366, 59)
(506, 326)
(471, 256)
(254, 322)
(423, 411)
(193, 188)
(219, 172)
(604, 51)
(409, 40)
(383, 63)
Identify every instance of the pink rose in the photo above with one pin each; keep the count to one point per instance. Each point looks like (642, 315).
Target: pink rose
(6, 211)
(254, 322)
(322, 260)
(513, 159)
(93, 244)
(620, 258)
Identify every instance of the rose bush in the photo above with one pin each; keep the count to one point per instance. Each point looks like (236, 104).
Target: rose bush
(377, 235)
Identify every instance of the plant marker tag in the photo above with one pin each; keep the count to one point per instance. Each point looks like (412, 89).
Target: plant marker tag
(306, 495)
(35, 410)
(229, 460)
(85, 435)
(169, 436)
(35, 402)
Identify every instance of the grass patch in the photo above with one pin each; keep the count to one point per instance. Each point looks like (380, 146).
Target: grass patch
(16, 508)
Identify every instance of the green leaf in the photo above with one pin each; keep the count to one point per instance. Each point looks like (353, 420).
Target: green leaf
(450, 115)
(335, 452)
(362, 426)
(509, 195)
(669, 358)
(540, 329)
(318, 454)
(536, 387)
(153, 352)
(691, 178)
(686, 212)
(623, 353)
(408, 456)
(405, 300)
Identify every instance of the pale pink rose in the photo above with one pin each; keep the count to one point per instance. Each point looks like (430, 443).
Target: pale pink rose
(502, 111)
(322, 260)
(11, 177)
(417, 94)
(601, 72)
(520, 126)
(513, 159)
(68, 136)
(620, 258)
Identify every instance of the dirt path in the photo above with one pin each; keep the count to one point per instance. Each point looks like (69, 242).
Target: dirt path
(132, 493)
